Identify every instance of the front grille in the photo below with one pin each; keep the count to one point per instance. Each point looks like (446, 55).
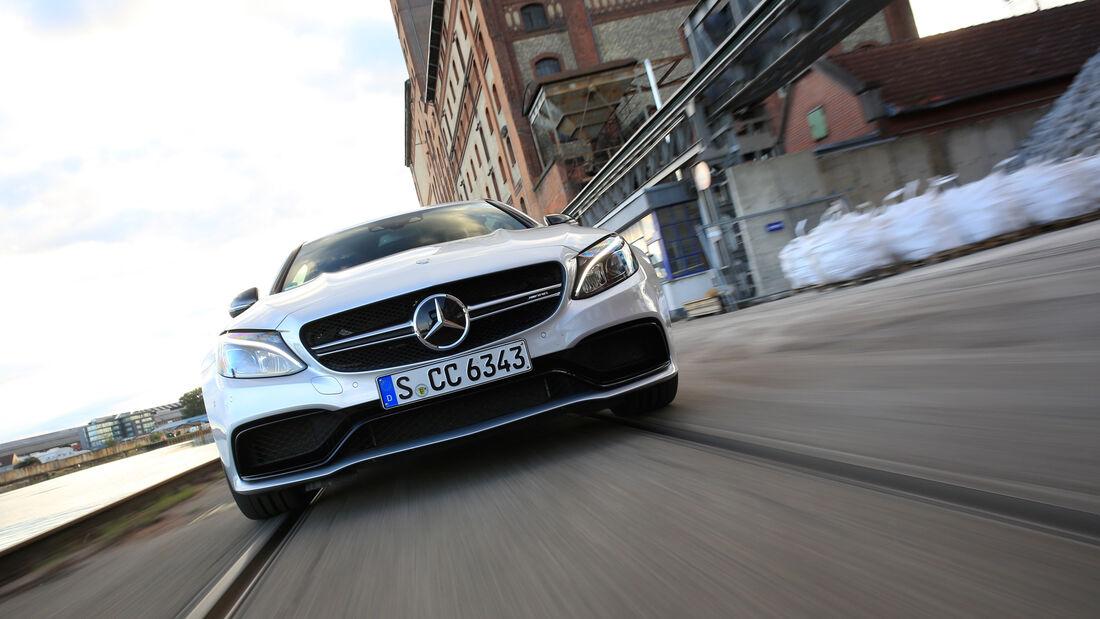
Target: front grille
(338, 341)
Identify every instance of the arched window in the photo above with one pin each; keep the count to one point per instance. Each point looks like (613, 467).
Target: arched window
(534, 16)
(547, 66)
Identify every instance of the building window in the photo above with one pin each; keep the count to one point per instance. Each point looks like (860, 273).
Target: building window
(819, 127)
(523, 205)
(489, 121)
(496, 97)
(511, 153)
(683, 254)
(547, 66)
(534, 17)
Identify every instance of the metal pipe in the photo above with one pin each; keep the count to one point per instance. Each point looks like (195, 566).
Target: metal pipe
(653, 83)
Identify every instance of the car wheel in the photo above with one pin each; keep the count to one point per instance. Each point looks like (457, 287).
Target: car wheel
(648, 399)
(263, 505)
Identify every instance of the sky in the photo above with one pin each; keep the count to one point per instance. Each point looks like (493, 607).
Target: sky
(157, 158)
(936, 16)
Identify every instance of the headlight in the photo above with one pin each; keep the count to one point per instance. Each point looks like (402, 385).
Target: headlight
(256, 354)
(603, 265)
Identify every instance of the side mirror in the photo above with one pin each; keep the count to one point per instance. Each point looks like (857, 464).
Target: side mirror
(243, 301)
(554, 219)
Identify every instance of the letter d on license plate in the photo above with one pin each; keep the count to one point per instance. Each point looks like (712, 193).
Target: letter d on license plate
(455, 374)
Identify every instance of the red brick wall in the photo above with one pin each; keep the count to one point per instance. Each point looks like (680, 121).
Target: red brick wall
(553, 191)
(843, 113)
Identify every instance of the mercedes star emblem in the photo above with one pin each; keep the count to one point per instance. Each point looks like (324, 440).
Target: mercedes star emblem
(441, 322)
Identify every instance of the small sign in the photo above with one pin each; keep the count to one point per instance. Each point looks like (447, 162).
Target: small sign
(774, 226)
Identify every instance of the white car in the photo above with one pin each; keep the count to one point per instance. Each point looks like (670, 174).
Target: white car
(425, 327)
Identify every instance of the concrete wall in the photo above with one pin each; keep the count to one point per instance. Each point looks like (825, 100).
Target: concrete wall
(974, 149)
(765, 185)
(864, 174)
(868, 174)
(9, 480)
(970, 151)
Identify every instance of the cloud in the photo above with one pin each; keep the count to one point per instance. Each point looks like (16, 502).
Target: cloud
(156, 159)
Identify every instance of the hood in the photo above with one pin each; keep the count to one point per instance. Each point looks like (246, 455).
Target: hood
(415, 269)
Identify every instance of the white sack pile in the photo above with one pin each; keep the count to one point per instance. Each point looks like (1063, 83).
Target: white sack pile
(846, 245)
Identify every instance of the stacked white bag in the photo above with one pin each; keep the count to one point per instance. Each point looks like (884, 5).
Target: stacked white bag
(1053, 191)
(986, 208)
(919, 227)
(846, 245)
(795, 262)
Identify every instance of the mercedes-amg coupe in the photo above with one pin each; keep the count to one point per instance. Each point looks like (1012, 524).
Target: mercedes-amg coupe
(425, 327)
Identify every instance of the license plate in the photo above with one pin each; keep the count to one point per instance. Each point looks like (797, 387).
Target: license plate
(476, 368)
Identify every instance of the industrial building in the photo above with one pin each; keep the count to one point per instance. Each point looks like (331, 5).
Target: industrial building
(524, 101)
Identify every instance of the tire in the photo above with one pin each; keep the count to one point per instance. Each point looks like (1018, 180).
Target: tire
(648, 399)
(263, 505)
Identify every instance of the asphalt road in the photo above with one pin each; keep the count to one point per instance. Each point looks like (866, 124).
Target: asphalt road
(576, 518)
(981, 373)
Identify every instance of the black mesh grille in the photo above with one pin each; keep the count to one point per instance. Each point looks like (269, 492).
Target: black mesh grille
(617, 354)
(289, 443)
(397, 310)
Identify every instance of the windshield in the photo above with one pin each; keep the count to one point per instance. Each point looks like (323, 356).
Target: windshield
(385, 237)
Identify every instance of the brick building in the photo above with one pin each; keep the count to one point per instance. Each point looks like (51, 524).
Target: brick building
(522, 100)
(890, 88)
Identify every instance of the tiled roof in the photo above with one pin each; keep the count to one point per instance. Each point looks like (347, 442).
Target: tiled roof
(988, 57)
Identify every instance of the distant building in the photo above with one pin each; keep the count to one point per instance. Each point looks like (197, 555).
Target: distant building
(42, 442)
(136, 423)
(55, 453)
(8, 462)
(167, 413)
(185, 426)
(101, 432)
